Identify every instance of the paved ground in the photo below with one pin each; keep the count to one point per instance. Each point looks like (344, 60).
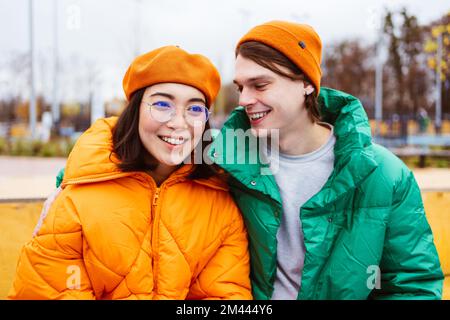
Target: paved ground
(31, 178)
(23, 177)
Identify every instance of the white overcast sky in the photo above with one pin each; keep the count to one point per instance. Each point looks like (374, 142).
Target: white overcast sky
(108, 33)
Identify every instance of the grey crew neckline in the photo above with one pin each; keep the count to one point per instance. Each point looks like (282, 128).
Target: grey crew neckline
(311, 156)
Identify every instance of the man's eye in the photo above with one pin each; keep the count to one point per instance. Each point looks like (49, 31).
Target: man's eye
(260, 86)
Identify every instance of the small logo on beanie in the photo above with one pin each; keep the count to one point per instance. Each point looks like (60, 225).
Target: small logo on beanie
(302, 44)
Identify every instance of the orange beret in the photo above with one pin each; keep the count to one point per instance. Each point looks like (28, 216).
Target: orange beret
(172, 64)
(298, 42)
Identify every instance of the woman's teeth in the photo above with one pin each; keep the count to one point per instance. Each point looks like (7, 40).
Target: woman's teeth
(259, 115)
(174, 141)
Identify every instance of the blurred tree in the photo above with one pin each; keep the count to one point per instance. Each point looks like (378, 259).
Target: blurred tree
(22, 109)
(7, 114)
(348, 66)
(416, 79)
(18, 66)
(228, 99)
(406, 79)
(76, 116)
(394, 87)
(440, 26)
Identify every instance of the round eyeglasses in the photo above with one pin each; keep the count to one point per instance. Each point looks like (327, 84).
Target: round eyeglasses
(163, 111)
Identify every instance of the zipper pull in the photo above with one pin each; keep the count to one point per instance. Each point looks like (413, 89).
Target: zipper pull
(156, 196)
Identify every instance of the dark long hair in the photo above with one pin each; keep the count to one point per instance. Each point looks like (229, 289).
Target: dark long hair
(270, 58)
(130, 150)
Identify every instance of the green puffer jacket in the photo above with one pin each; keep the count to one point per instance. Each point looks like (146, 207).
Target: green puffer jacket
(369, 215)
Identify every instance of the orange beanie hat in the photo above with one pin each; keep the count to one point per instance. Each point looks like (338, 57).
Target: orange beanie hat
(299, 42)
(172, 64)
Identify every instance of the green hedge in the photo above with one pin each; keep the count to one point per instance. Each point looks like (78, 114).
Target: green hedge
(35, 148)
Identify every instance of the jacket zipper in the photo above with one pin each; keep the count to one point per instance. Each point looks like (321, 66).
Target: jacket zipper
(155, 213)
(155, 197)
(155, 236)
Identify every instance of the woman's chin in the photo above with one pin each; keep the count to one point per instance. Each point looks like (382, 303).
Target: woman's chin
(174, 158)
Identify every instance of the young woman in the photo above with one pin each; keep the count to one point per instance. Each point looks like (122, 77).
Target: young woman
(134, 219)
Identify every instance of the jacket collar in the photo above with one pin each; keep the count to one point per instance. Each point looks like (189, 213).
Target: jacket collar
(354, 160)
(242, 160)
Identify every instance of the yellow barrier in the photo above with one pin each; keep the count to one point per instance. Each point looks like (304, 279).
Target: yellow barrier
(413, 127)
(17, 221)
(437, 206)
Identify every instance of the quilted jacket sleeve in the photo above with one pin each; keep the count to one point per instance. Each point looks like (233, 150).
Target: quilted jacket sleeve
(51, 264)
(410, 267)
(227, 274)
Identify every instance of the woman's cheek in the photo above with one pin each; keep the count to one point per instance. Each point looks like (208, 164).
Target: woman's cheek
(197, 134)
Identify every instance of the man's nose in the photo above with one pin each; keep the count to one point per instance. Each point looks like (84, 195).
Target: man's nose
(246, 98)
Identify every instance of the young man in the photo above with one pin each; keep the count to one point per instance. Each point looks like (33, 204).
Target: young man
(338, 216)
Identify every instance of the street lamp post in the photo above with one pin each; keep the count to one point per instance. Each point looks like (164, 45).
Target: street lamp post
(32, 106)
(438, 120)
(55, 102)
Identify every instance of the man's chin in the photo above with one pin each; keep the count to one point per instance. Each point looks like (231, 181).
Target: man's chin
(260, 132)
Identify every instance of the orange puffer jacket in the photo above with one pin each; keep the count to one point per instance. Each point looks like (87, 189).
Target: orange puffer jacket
(115, 235)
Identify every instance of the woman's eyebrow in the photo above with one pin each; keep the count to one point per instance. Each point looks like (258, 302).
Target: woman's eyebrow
(169, 96)
(197, 100)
